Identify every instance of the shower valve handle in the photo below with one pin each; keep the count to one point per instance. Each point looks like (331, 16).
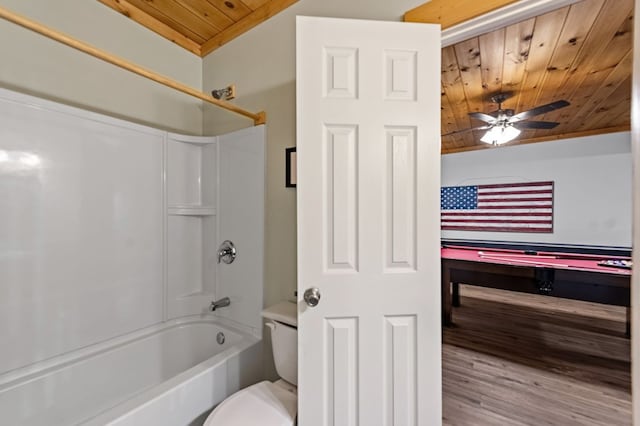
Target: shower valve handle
(227, 252)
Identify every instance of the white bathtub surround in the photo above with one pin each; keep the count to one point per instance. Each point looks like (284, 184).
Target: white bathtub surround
(110, 229)
(241, 219)
(81, 229)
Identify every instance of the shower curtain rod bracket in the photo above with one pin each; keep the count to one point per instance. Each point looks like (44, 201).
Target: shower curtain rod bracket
(260, 119)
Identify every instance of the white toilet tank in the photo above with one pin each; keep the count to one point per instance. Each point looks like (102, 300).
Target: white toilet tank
(283, 322)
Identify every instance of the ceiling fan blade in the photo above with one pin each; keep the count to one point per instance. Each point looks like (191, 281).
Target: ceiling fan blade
(542, 109)
(483, 117)
(467, 130)
(535, 124)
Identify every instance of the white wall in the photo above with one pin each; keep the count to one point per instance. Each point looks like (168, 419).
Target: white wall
(262, 65)
(592, 186)
(35, 65)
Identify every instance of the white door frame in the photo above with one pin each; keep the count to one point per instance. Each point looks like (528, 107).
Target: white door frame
(635, 278)
(523, 10)
(499, 18)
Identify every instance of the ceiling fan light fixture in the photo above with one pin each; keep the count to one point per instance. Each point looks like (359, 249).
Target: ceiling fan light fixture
(499, 135)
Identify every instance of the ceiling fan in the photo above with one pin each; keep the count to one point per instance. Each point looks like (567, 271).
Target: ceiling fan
(503, 126)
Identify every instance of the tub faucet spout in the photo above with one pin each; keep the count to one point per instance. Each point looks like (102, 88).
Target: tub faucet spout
(225, 301)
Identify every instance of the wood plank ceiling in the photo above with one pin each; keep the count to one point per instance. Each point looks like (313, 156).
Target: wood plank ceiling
(199, 26)
(581, 53)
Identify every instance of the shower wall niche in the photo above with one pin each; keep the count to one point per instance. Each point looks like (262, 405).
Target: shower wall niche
(192, 217)
(215, 192)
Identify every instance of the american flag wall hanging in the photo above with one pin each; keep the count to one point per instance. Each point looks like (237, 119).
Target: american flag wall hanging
(507, 207)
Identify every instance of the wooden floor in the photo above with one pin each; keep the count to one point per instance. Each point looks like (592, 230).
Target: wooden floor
(516, 359)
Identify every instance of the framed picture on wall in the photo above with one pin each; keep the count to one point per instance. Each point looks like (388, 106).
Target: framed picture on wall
(290, 173)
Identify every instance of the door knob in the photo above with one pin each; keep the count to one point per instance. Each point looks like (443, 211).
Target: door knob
(312, 296)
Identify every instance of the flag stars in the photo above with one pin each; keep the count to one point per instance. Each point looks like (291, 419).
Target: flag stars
(459, 198)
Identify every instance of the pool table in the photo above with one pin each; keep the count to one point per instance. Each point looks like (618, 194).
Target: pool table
(567, 275)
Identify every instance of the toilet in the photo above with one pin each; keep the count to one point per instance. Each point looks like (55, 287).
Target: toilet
(268, 403)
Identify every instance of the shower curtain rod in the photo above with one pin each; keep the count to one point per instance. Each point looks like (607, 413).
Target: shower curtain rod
(258, 118)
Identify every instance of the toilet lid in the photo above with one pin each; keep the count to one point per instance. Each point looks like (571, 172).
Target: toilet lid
(264, 403)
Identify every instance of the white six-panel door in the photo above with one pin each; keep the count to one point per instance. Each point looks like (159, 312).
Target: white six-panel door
(368, 138)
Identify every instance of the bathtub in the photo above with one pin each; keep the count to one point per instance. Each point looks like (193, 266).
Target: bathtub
(169, 374)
